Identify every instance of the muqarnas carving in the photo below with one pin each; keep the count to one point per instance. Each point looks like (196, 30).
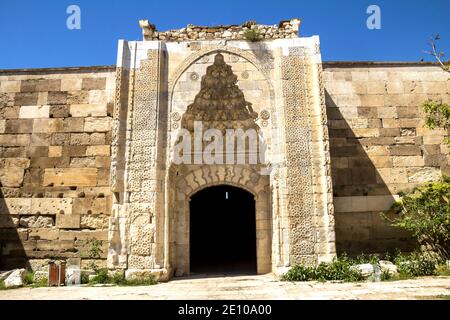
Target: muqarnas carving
(220, 104)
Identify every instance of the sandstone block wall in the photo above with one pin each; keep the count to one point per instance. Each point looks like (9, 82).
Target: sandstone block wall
(55, 132)
(379, 146)
(55, 138)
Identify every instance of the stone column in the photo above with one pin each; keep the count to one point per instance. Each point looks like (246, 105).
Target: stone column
(140, 207)
(307, 191)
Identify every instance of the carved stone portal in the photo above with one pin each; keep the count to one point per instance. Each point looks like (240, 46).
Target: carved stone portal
(158, 96)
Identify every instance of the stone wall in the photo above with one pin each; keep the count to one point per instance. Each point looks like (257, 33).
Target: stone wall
(379, 146)
(285, 29)
(55, 136)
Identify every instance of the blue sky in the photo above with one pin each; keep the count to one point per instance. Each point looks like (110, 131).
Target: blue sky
(34, 34)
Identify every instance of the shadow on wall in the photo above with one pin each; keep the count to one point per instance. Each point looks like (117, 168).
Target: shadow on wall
(12, 251)
(360, 194)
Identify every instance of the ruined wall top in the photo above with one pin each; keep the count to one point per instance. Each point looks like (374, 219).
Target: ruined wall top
(249, 30)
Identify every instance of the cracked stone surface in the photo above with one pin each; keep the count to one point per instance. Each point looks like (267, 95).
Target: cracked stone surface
(246, 287)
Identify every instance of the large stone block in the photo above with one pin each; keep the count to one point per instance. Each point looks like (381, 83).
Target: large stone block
(33, 112)
(26, 98)
(374, 100)
(68, 221)
(73, 125)
(97, 124)
(12, 171)
(55, 151)
(84, 162)
(57, 97)
(15, 206)
(70, 177)
(70, 84)
(392, 175)
(51, 206)
(9, 112)
(100, 150)
(88, 110)
(10, 86)
(381, 161)
(46, 162)
(94, 83)
(405, 150)
(408, 112)
(44, 234)
(12, 140)
(74, 151)
(37, 151)
(394, 87)
(102, 162)
(48, 125)
(77, 97)
(31, 85)
(98, 97)
(408, 161)
(94, 221)
(422, 175)
(36, 222)
(19, 126)
(59, 111)
(387, 112)
(376, 87)
(41, 139)
(103, 177)
(90, 205)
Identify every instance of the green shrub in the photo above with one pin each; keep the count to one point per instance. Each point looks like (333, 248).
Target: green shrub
(40, 283)
(443, 270)
(28, 279)
(2, 285)
(369, 258)
(148, 281)
(118, 278)
(84, 279)
(299, 273)
(252, 35)
(386, 276)
(101, 277)
(426, 213)
(437, 114)
(339, 269)
(414, 265)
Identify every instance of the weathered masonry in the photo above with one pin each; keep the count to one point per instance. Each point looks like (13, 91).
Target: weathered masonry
(87, 155)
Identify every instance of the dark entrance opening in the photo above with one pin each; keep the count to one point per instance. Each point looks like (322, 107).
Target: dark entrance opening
(222, 231)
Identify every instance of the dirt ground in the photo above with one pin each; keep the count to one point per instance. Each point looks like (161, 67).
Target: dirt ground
(245, 287)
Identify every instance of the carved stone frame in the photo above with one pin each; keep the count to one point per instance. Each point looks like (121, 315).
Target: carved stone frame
(297, 195)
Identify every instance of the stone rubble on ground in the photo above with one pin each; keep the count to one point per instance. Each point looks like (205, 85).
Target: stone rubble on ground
(15, 279)
(5, 274)
(73, 276)
(387, 266)
(40, 275)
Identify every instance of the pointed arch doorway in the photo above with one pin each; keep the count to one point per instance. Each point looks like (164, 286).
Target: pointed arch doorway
(222, 231)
